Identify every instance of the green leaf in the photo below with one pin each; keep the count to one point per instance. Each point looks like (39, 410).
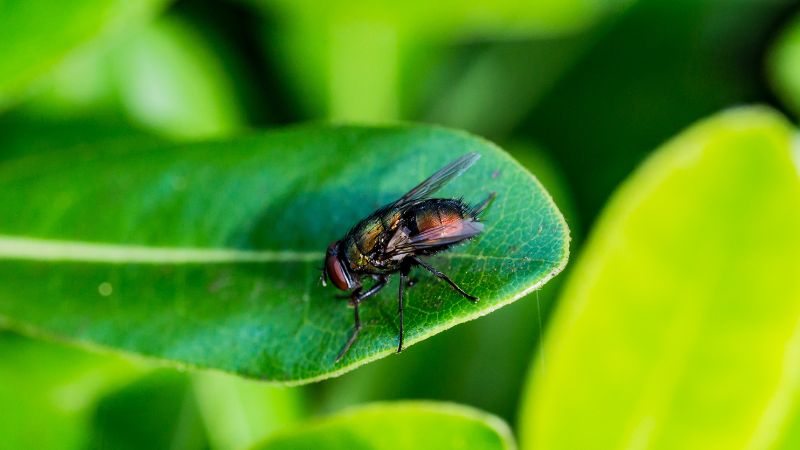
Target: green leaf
(36, 36)
(679, 326)
(208, 254)
(399, 426)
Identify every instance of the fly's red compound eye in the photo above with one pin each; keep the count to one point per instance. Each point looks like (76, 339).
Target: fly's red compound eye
(336, 272)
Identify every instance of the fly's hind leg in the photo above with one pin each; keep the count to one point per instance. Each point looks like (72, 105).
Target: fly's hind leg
(444, 277)
(355, 299)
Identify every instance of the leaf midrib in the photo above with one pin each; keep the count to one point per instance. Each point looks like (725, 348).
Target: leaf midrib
(25, 248)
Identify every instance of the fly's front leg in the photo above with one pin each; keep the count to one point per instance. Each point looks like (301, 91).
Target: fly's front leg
(355, 299)
(444, 277)
(356, 329)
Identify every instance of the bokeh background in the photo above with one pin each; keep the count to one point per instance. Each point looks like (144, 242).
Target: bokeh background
(579, 91)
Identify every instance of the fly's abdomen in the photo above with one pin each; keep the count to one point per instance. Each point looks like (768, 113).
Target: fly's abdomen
(437, 213)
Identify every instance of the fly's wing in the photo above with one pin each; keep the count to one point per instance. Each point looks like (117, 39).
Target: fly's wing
(402, 243)
(438, 179)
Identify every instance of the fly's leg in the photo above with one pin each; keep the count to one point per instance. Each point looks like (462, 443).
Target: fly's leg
(353, 336)
(381, 282)
(355, 298)
(444, 277)
(358, 296)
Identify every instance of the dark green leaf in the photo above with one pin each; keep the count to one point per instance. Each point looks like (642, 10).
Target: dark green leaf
(208, 254)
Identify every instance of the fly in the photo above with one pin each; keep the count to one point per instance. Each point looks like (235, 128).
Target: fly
(395, 237)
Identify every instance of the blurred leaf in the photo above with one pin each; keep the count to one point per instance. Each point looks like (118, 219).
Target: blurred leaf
(502, 18)
(399, 426)
(170, 81)
(156, 412)
(239, 412)
(496, 348)
(358, 60)
(163, 76)
(491, 89)
(679, 327)
(37, 35)
(47, 392)
(661, 66)
(208, 254)
(783, 65)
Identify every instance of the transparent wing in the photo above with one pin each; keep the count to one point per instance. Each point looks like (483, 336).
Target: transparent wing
(438, 179)
(445, 234)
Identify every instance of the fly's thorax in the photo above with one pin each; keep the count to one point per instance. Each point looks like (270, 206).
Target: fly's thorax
(369, 235)
(366, 242)
(358, 260)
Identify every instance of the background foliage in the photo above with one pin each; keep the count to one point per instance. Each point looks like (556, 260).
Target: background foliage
(677, 325)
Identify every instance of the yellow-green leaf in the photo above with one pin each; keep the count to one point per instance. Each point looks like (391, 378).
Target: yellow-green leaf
(680, 325)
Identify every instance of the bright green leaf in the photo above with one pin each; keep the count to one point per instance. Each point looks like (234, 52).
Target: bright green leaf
(37, 35)
(679, 326)
(399, 426)
(208, 254)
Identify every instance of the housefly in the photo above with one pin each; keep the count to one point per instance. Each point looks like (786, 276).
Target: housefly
(395, 237)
